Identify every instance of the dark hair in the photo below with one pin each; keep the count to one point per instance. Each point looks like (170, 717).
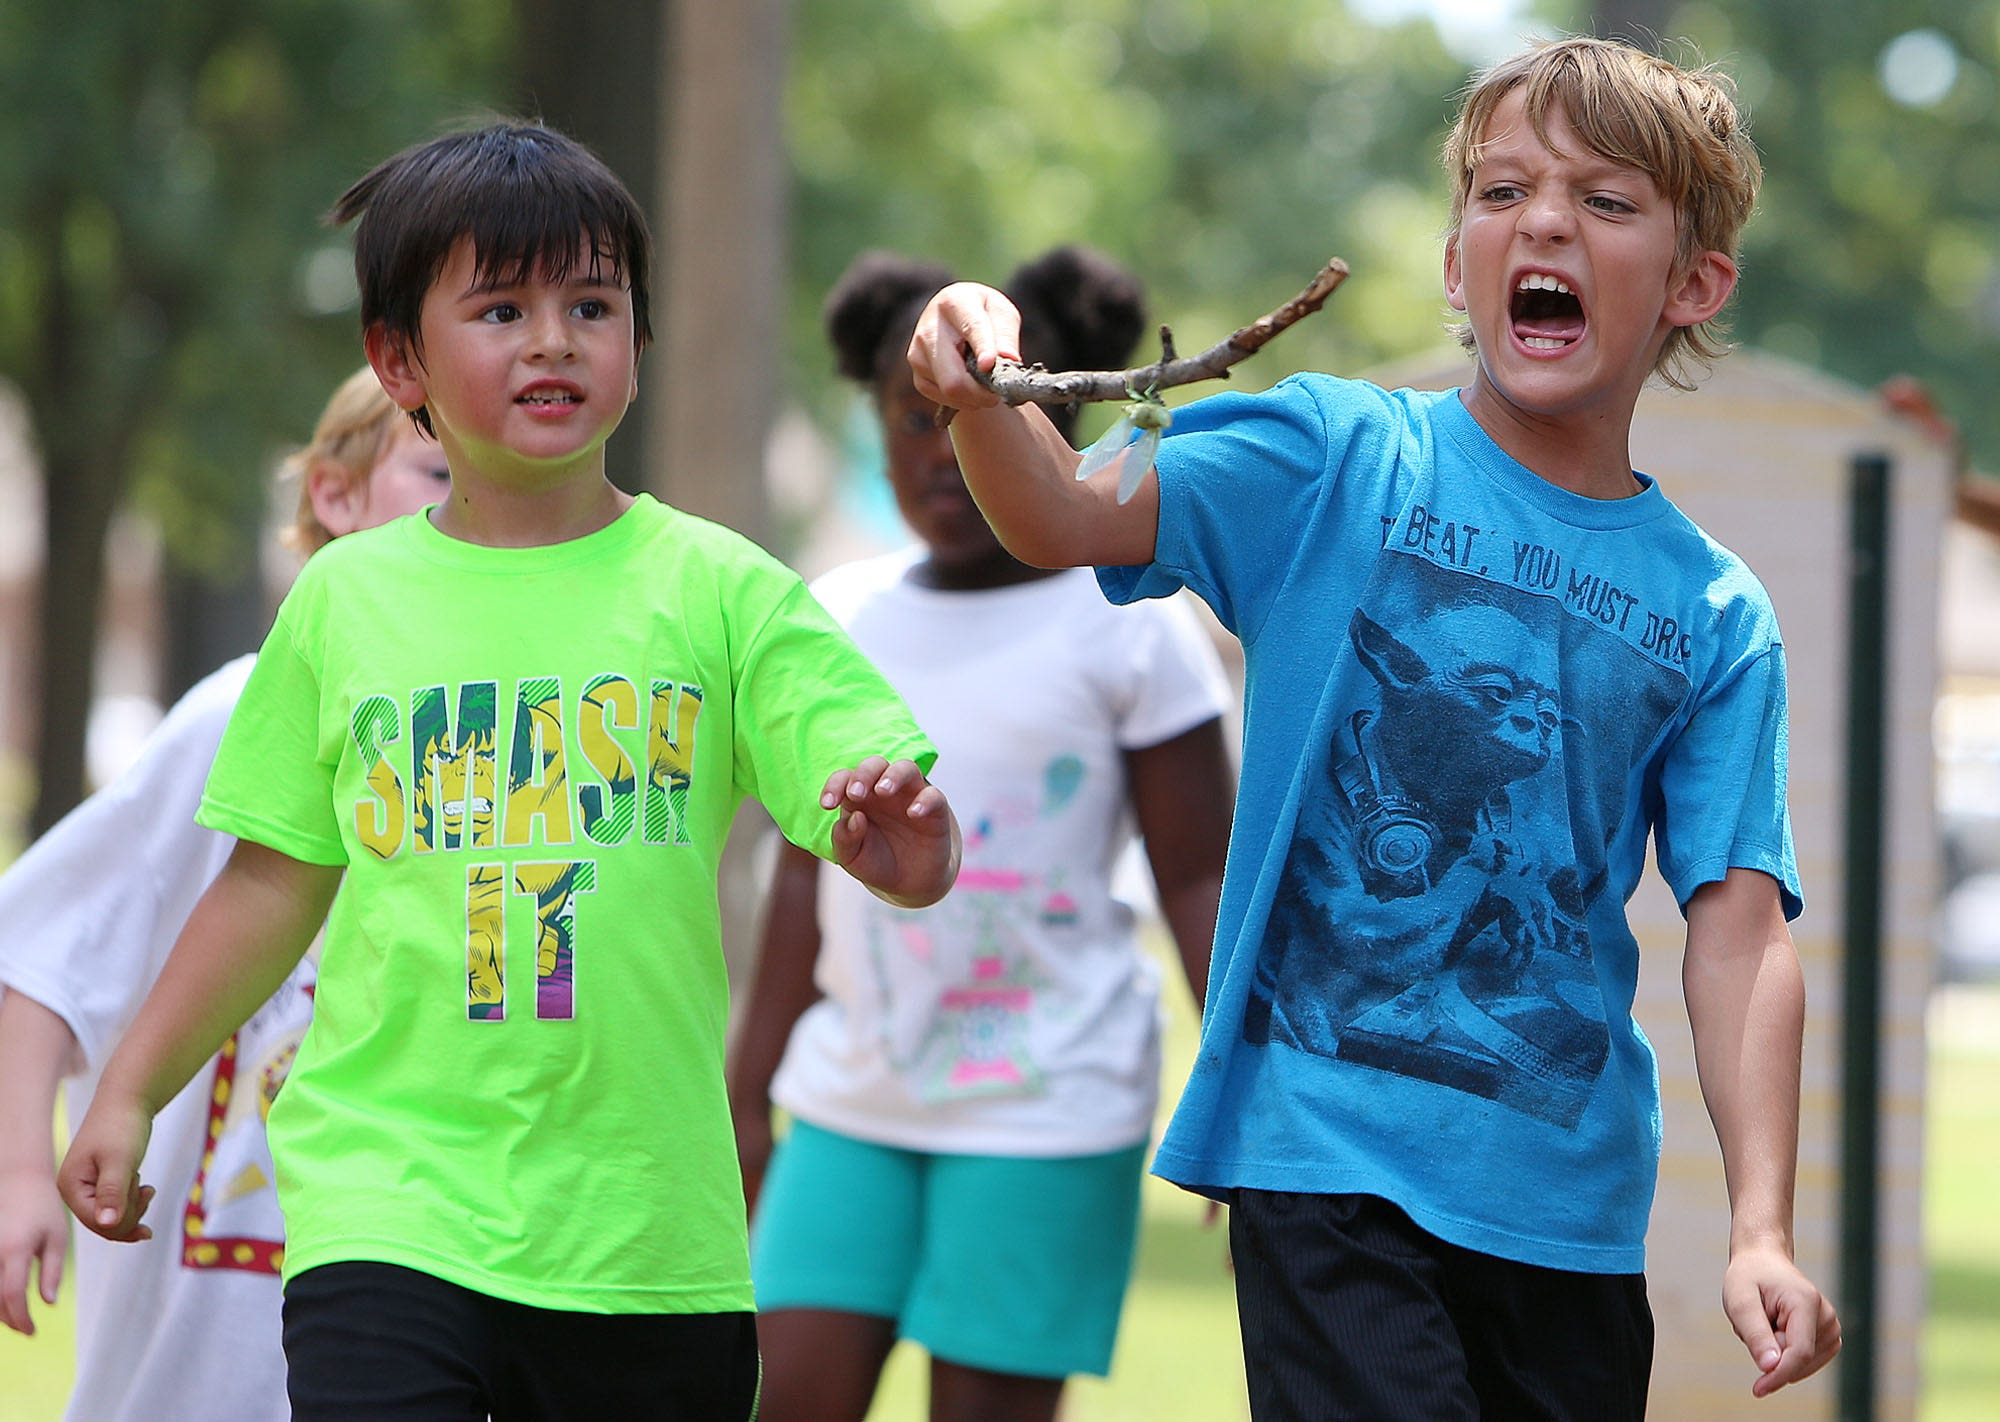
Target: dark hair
(531, 199)
(1079, 311)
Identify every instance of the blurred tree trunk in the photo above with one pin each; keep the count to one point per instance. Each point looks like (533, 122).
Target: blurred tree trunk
(79, 491)
(713, 380)
(213, 616)
(87, 413)
(684, 99)
(593, 68)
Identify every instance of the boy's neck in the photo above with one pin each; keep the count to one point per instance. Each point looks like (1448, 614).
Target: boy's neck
(498, 515)
(1588, 453)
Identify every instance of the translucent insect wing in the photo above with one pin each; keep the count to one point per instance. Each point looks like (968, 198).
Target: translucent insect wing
(1138, 459)
(1107, 448)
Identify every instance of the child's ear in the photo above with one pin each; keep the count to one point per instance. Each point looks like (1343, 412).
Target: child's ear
(395, 366)
(1701, 291)
(336, 497)
(1454, 283)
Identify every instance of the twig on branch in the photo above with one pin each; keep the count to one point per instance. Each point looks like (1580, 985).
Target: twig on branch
(1019, 384)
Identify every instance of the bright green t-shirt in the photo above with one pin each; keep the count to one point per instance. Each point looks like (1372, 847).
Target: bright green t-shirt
(528, 759)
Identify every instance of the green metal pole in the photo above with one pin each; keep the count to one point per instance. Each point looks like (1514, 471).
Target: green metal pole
(1861, 998)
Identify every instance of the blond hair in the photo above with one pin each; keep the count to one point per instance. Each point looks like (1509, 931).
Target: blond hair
(1678, 125)
(353, 433)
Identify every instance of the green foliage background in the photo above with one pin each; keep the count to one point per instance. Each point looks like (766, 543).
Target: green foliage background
(166, 166)
(170, 159)
(1225, 149)
(1876, 249)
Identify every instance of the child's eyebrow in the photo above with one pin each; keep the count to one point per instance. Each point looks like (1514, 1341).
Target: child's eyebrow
(1591, 166)
(503, 277)
(488, 279)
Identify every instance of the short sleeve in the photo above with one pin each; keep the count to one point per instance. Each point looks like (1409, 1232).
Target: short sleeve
(1175, 679)
(1224, 455)
(274, 774)
(95, 904)
(1722, 786)
(808, 702)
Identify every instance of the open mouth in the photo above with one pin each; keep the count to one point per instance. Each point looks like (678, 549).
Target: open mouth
(1546, 315)
(549, 399)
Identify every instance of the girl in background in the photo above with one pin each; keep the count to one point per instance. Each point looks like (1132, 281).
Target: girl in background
(971, 1087)
(186, 1325)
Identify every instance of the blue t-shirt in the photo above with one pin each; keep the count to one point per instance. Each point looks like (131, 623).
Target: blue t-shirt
(1469, 696)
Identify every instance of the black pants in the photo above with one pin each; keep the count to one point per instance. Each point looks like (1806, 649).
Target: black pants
(1351, 1313)
(378, 1343)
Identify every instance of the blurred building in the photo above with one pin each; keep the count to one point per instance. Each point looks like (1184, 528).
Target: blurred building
(1968, 754)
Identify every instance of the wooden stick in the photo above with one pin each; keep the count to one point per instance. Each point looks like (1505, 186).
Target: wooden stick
(1019, 384)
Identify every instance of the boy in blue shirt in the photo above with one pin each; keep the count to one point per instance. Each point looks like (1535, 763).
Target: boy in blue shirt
(513, 733)
(1485, 659)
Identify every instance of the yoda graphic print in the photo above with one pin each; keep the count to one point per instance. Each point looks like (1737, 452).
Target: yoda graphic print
(1432, 917)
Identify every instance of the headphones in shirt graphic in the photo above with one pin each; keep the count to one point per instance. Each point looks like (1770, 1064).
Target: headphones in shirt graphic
(1393, 836)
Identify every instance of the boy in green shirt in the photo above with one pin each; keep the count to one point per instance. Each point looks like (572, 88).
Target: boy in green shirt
(519, 727)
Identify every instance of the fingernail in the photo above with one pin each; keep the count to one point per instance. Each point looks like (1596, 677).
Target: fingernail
(856, 790)
(884, 787)
(107, 1215)
(828, 800)
(1768, 1359)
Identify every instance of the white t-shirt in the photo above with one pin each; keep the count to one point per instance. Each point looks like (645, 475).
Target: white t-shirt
(1016, 1016)
(187, 1323)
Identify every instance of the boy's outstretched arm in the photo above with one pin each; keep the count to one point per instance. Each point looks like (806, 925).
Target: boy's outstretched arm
(1746, 1004)
(35, 1047)
(1020, 469)
(894, 832)
(246, 933)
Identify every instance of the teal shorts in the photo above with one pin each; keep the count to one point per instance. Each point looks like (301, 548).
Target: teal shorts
(1006, 1263)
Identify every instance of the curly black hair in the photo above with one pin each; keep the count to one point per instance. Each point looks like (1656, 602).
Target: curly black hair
(1080, 310)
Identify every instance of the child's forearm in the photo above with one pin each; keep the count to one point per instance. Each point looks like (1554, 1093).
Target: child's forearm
(1183, 797)
(1020, 469)
(1022, 473)
(1746, 1004)
(35, 1046)
(783, 988)
(245, 934)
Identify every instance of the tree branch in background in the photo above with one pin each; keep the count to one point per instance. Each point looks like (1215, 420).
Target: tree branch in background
(1019, 384)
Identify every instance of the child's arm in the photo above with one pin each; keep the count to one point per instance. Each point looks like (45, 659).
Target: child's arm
(35, 1044)
(246, 933)
(1746, 1004)
(1020, 469)
(895, 834)
(780, 995)
(1182, 799)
